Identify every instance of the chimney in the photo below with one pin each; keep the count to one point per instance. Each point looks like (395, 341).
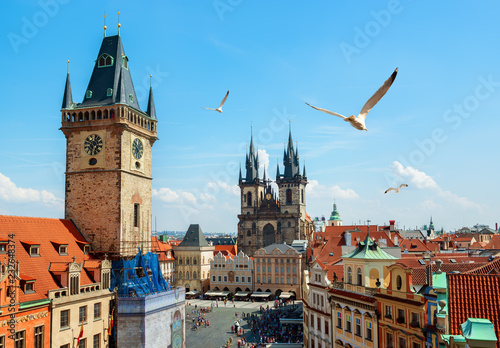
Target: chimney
(496, 226)
(392, 227)
(347, 238)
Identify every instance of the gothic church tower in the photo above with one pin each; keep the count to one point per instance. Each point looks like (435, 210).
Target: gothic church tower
(109, 144)
(267, 217)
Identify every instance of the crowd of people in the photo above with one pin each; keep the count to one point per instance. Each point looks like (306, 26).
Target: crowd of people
(254, 329)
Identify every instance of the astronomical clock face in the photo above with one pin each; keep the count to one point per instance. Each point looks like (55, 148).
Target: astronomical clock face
(137, 149)
(92, 145)
(268, 196)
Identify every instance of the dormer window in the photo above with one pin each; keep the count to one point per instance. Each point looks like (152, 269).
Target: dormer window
(88, 94)
(125, 62)
(131, 98)
(104, 61)
(29, 287)
(86, 249)
(109, 92)
(34, 250)
(3, 246)
(63, 250)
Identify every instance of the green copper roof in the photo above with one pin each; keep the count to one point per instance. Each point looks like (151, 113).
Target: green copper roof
(456, 338)
(368, 249)
(478, 329)
(335, 214)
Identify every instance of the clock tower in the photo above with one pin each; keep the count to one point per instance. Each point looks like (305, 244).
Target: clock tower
(109, 142)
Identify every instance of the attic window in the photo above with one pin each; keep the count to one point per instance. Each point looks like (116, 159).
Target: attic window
(453, 261)
(88, 94)
(331, 254)
(63, 250)
(109, 92)
(29, 287)
(3, 246)
(422, 262)
(86, 249)
(125, 62)
(131, 97)
(34, 250)
(104, 61)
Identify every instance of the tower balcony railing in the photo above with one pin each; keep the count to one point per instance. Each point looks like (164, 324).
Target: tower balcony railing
(115, 112)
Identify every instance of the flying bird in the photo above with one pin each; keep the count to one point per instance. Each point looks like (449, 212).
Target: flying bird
(359, 121)
(219, 109)
(395, 188)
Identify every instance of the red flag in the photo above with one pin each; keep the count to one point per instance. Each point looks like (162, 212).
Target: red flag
(110, 325)
(80, 336)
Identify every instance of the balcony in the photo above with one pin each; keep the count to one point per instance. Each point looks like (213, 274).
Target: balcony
(401, 320)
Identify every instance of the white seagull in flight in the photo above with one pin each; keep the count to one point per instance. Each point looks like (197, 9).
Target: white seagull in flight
(219, 109)
(359, 121)
(395, 188)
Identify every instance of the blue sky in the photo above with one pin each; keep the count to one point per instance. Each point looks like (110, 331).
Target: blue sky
(436, 128)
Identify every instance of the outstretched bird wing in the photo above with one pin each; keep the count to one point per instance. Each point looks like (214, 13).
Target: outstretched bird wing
(325, 110)
(377, 96)
(223, 100)
(208, 108)
(390, 189)
(403, 185)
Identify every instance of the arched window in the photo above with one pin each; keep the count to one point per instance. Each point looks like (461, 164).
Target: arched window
(249, 199)
(302, 195)
(399, 282)
(249, 242)
(194, 275)
(288, 196)
(194, 261)
(349, 275)
(187, 275)
(105, 60)
(203, 260)
(360, 277)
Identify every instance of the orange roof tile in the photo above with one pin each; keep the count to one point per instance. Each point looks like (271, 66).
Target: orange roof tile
(492, 267)
(413, 245)
(473, 296)
(41, 231)
(494, 243)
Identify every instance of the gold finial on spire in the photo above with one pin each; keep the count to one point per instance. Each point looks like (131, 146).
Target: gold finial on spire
(151, 81)
(68, 66)
(118, 25)
(104, 26)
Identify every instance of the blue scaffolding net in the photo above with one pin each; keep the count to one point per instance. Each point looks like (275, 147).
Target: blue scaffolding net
(138, 277)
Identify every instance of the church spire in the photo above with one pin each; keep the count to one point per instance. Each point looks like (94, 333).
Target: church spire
(290, 159)
(252, 163)
(151, 111)
(68, 97)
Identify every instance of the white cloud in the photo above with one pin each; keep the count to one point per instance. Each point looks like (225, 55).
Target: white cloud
(315, 190)
(10, 192)
(231, 189)
(420, 180)
(166, 195)
(413, 176)
(263, 162)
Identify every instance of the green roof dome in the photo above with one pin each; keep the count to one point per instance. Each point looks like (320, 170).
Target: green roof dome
(335, 214)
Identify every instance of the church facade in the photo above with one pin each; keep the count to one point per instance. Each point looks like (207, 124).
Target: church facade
(268, 217)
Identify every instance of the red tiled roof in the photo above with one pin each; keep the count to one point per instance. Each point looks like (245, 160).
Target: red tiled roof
(478, 245)
(492, 267)
(162, 249)
(413, 245)
(232, 249)
(473, 296)
(334, 269)
(92, 264)
(41, 231)
(340, 229)
(494, 243)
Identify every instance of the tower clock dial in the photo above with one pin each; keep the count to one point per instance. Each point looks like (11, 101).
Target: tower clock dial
(92, 145)
(137, 149)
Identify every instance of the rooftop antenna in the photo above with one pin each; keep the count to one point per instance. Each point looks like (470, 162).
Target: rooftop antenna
(104, 26)
(118, 25)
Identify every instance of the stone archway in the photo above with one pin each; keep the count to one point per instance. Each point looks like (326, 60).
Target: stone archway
(268, 235)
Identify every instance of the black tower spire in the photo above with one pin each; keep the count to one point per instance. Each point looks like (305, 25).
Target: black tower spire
(252, 163)
(68, 97)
